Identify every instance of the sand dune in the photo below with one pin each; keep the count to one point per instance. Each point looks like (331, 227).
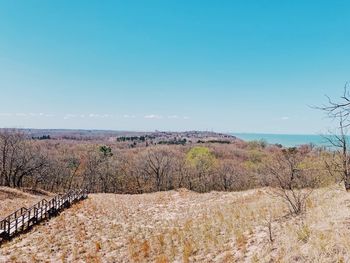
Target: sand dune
(183, 226)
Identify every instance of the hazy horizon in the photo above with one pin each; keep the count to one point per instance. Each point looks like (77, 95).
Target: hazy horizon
(160, 130)
(233, 66)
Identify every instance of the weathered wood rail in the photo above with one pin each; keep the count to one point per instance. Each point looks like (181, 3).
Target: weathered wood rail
(24, 218)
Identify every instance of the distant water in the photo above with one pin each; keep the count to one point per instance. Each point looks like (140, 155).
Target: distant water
(284, 139)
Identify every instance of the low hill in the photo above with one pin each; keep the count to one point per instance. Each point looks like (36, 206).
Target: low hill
(183, 226)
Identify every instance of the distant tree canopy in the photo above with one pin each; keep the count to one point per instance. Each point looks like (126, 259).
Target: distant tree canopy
(58, 165)
(214, 141)
(174, 141)
(44, 137)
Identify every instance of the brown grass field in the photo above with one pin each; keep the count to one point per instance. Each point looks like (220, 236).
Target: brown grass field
(12, 199)
(183, 226)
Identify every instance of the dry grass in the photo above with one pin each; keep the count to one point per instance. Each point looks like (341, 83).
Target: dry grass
(182, 226)
(12, 199)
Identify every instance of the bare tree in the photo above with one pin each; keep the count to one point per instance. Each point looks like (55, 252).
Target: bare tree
(19, 159)
(229, 176)
(340, 163)
(73, 164)
(340, 111)
(290, 180)
(156, 164)
(91, 171)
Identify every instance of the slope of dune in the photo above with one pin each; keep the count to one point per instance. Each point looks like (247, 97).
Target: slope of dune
(182, 226)
(13, 199)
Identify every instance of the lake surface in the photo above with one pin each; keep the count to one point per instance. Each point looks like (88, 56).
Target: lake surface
(284, 139)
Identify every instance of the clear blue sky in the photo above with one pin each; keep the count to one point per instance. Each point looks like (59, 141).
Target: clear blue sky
(242, 66)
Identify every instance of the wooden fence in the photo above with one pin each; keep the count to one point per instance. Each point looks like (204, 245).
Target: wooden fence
(24, 218)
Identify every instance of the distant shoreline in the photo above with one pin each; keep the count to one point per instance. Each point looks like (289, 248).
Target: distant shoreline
(288, 140)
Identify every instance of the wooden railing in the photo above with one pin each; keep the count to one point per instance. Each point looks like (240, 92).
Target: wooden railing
(24, 218)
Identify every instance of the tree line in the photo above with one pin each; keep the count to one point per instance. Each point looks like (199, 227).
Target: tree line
(62, 165)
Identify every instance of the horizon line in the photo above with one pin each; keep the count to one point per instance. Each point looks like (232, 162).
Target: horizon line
(159, 130)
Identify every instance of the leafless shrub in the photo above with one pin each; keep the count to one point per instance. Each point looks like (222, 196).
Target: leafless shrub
(290, 180)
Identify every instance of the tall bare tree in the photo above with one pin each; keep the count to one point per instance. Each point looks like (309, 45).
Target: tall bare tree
(340, 111)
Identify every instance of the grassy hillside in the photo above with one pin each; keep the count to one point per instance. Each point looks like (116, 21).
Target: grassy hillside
(12, 199)
(183, 226)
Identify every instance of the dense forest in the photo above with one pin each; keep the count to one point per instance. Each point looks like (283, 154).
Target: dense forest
(109, 166)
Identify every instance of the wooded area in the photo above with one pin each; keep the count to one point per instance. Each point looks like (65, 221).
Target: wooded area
(61, 165)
